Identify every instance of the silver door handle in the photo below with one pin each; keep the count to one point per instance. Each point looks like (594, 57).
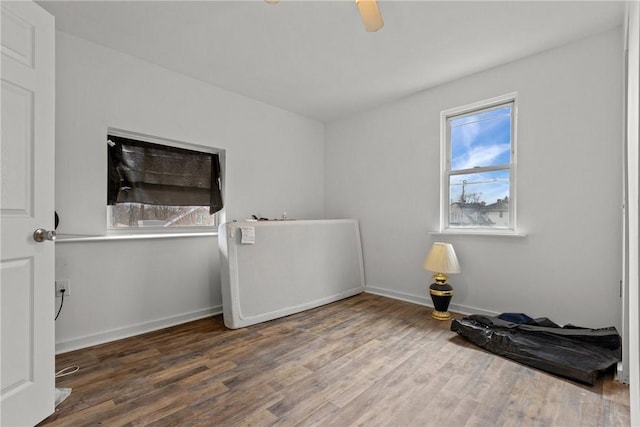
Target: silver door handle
(40, 235)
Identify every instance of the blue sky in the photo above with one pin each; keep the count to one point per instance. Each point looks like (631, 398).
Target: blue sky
(480, 140)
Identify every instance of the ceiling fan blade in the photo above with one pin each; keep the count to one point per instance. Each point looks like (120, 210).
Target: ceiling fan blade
(370, 15)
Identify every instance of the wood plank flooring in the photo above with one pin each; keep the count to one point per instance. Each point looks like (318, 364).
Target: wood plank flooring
(366, 360)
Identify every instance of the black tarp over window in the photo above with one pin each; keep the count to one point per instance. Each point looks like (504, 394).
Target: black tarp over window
(154, 174)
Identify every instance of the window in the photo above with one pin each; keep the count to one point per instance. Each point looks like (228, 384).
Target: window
(159, 184)
(478, 166)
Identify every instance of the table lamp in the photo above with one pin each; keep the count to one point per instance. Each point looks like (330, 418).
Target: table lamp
(441, 261)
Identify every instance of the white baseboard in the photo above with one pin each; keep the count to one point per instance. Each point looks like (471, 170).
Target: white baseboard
(132, 330)
(426, 301)
(621, 375)
(142, 328)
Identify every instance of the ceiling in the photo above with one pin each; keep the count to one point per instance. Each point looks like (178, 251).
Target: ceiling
(315, 58)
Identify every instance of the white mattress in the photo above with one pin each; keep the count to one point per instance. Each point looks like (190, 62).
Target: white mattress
(291, 266)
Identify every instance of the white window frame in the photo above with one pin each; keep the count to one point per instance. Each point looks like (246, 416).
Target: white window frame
(189, 229)
(445, 165)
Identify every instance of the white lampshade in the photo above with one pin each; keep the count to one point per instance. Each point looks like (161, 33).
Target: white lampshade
(442, 259)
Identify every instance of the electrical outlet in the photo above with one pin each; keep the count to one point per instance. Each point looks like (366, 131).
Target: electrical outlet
(62, 284)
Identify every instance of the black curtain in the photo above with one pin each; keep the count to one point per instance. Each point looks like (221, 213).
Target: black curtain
(154, 174)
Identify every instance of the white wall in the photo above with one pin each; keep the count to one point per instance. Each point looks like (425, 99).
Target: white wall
(124, 288)
(382, 167)
(631, 337)
(274, 163)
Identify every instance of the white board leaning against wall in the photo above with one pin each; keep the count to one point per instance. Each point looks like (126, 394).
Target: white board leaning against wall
(271, 269)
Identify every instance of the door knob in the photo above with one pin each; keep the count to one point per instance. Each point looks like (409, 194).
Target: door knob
(40, 235)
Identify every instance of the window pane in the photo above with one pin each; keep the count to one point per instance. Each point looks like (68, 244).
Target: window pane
(481, 139)
(132, 215)
(479, 199)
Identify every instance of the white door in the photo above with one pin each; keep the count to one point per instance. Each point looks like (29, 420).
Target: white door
(26, 203)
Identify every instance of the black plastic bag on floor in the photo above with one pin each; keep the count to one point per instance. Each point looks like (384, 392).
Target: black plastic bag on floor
(570, 351)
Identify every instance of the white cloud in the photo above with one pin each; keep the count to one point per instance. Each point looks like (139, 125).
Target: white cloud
(484, 155)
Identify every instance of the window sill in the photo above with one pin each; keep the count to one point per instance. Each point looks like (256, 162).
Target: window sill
(478, 233)
(68, 238)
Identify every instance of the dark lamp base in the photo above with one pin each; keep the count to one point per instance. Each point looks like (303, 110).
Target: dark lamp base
(441, 294)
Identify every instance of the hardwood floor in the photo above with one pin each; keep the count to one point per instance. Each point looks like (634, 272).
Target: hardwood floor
(366, 360)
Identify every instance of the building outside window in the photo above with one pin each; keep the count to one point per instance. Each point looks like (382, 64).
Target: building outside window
(478, 166)
(138, 215)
